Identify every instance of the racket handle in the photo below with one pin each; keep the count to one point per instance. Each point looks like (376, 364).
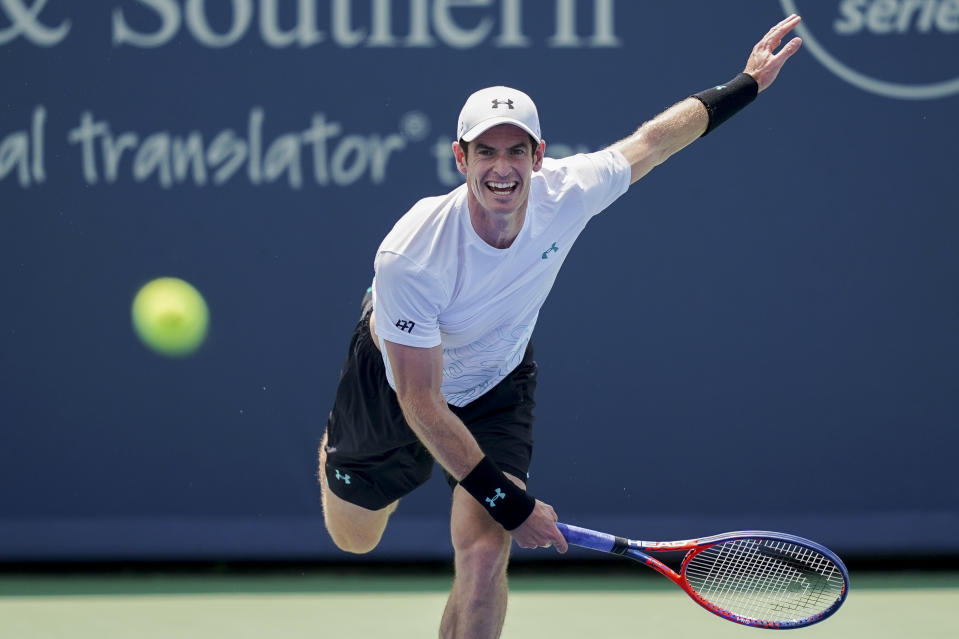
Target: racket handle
(587, 538)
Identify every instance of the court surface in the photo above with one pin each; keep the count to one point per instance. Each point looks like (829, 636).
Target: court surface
(387, 603)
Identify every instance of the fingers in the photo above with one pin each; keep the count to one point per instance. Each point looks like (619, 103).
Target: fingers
(540, 531)
(561, 545)
(787, 51)
(778, 32)
(764, 64)
(558, 540)
(777, 61)
(555, 540)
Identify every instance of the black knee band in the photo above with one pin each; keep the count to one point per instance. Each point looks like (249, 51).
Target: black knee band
(725, 100)
(506, 502)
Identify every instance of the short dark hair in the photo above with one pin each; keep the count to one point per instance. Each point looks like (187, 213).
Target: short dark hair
(532, 143)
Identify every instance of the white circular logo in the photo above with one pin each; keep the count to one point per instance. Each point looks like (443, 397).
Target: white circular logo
(415, 125)
(880, 13)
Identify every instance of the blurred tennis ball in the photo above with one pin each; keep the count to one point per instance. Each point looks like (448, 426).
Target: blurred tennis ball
(170, 316)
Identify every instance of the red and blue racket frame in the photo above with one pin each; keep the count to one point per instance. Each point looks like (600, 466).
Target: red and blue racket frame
(634, 549)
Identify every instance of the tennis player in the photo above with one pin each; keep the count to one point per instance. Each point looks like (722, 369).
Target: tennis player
(440, 366)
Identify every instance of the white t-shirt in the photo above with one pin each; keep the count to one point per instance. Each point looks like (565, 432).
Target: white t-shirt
(437, 282)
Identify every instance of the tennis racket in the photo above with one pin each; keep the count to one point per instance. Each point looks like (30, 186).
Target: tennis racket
(755, 578)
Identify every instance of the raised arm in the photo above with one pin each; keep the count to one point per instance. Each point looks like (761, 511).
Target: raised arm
(418, 374)
(681, 124)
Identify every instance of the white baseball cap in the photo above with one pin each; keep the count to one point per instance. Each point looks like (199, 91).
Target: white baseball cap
(497, 105)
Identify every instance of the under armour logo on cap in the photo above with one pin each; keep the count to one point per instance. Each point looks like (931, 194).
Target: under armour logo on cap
(494, 106)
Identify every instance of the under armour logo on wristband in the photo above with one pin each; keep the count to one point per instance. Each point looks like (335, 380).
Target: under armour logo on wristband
(343, 478)
(508, 103)
(492, 500)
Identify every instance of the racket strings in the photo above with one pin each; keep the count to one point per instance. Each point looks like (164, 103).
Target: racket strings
(765, 580)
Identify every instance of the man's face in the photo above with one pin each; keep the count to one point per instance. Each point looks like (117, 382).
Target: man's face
(499, 166)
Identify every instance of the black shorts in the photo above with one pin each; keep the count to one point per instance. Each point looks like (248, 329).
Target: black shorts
(373, 457)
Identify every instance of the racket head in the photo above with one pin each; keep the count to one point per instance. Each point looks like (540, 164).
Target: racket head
(765, 579)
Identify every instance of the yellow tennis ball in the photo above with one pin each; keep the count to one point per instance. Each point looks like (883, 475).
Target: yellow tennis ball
(170, 316)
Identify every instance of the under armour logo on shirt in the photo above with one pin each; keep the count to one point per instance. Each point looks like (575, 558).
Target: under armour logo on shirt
(508, 103)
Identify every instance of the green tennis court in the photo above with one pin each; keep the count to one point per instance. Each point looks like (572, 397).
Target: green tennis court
(386, 602)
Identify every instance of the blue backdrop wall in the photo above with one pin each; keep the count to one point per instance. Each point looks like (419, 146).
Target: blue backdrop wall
(761, 334)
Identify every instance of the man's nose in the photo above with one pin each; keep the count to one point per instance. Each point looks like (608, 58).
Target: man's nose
(502, 166)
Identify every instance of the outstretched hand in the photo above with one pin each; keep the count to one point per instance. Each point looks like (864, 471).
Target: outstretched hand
(764, 64)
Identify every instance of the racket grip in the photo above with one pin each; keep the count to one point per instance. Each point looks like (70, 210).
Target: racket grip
(587, 538)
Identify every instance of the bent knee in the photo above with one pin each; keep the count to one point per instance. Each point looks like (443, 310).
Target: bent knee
(357, 535)
(352, 528)
(355, 542)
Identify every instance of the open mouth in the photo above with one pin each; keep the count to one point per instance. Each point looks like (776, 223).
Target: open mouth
(502, 189)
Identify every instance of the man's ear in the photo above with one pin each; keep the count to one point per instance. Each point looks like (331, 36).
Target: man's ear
(538, 155)
(460, 157)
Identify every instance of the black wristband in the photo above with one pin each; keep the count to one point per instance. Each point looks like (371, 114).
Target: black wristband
(725, 100)
(506, 502)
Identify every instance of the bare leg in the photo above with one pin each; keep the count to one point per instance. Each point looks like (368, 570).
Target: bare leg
(476, 607)
(353, 528)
